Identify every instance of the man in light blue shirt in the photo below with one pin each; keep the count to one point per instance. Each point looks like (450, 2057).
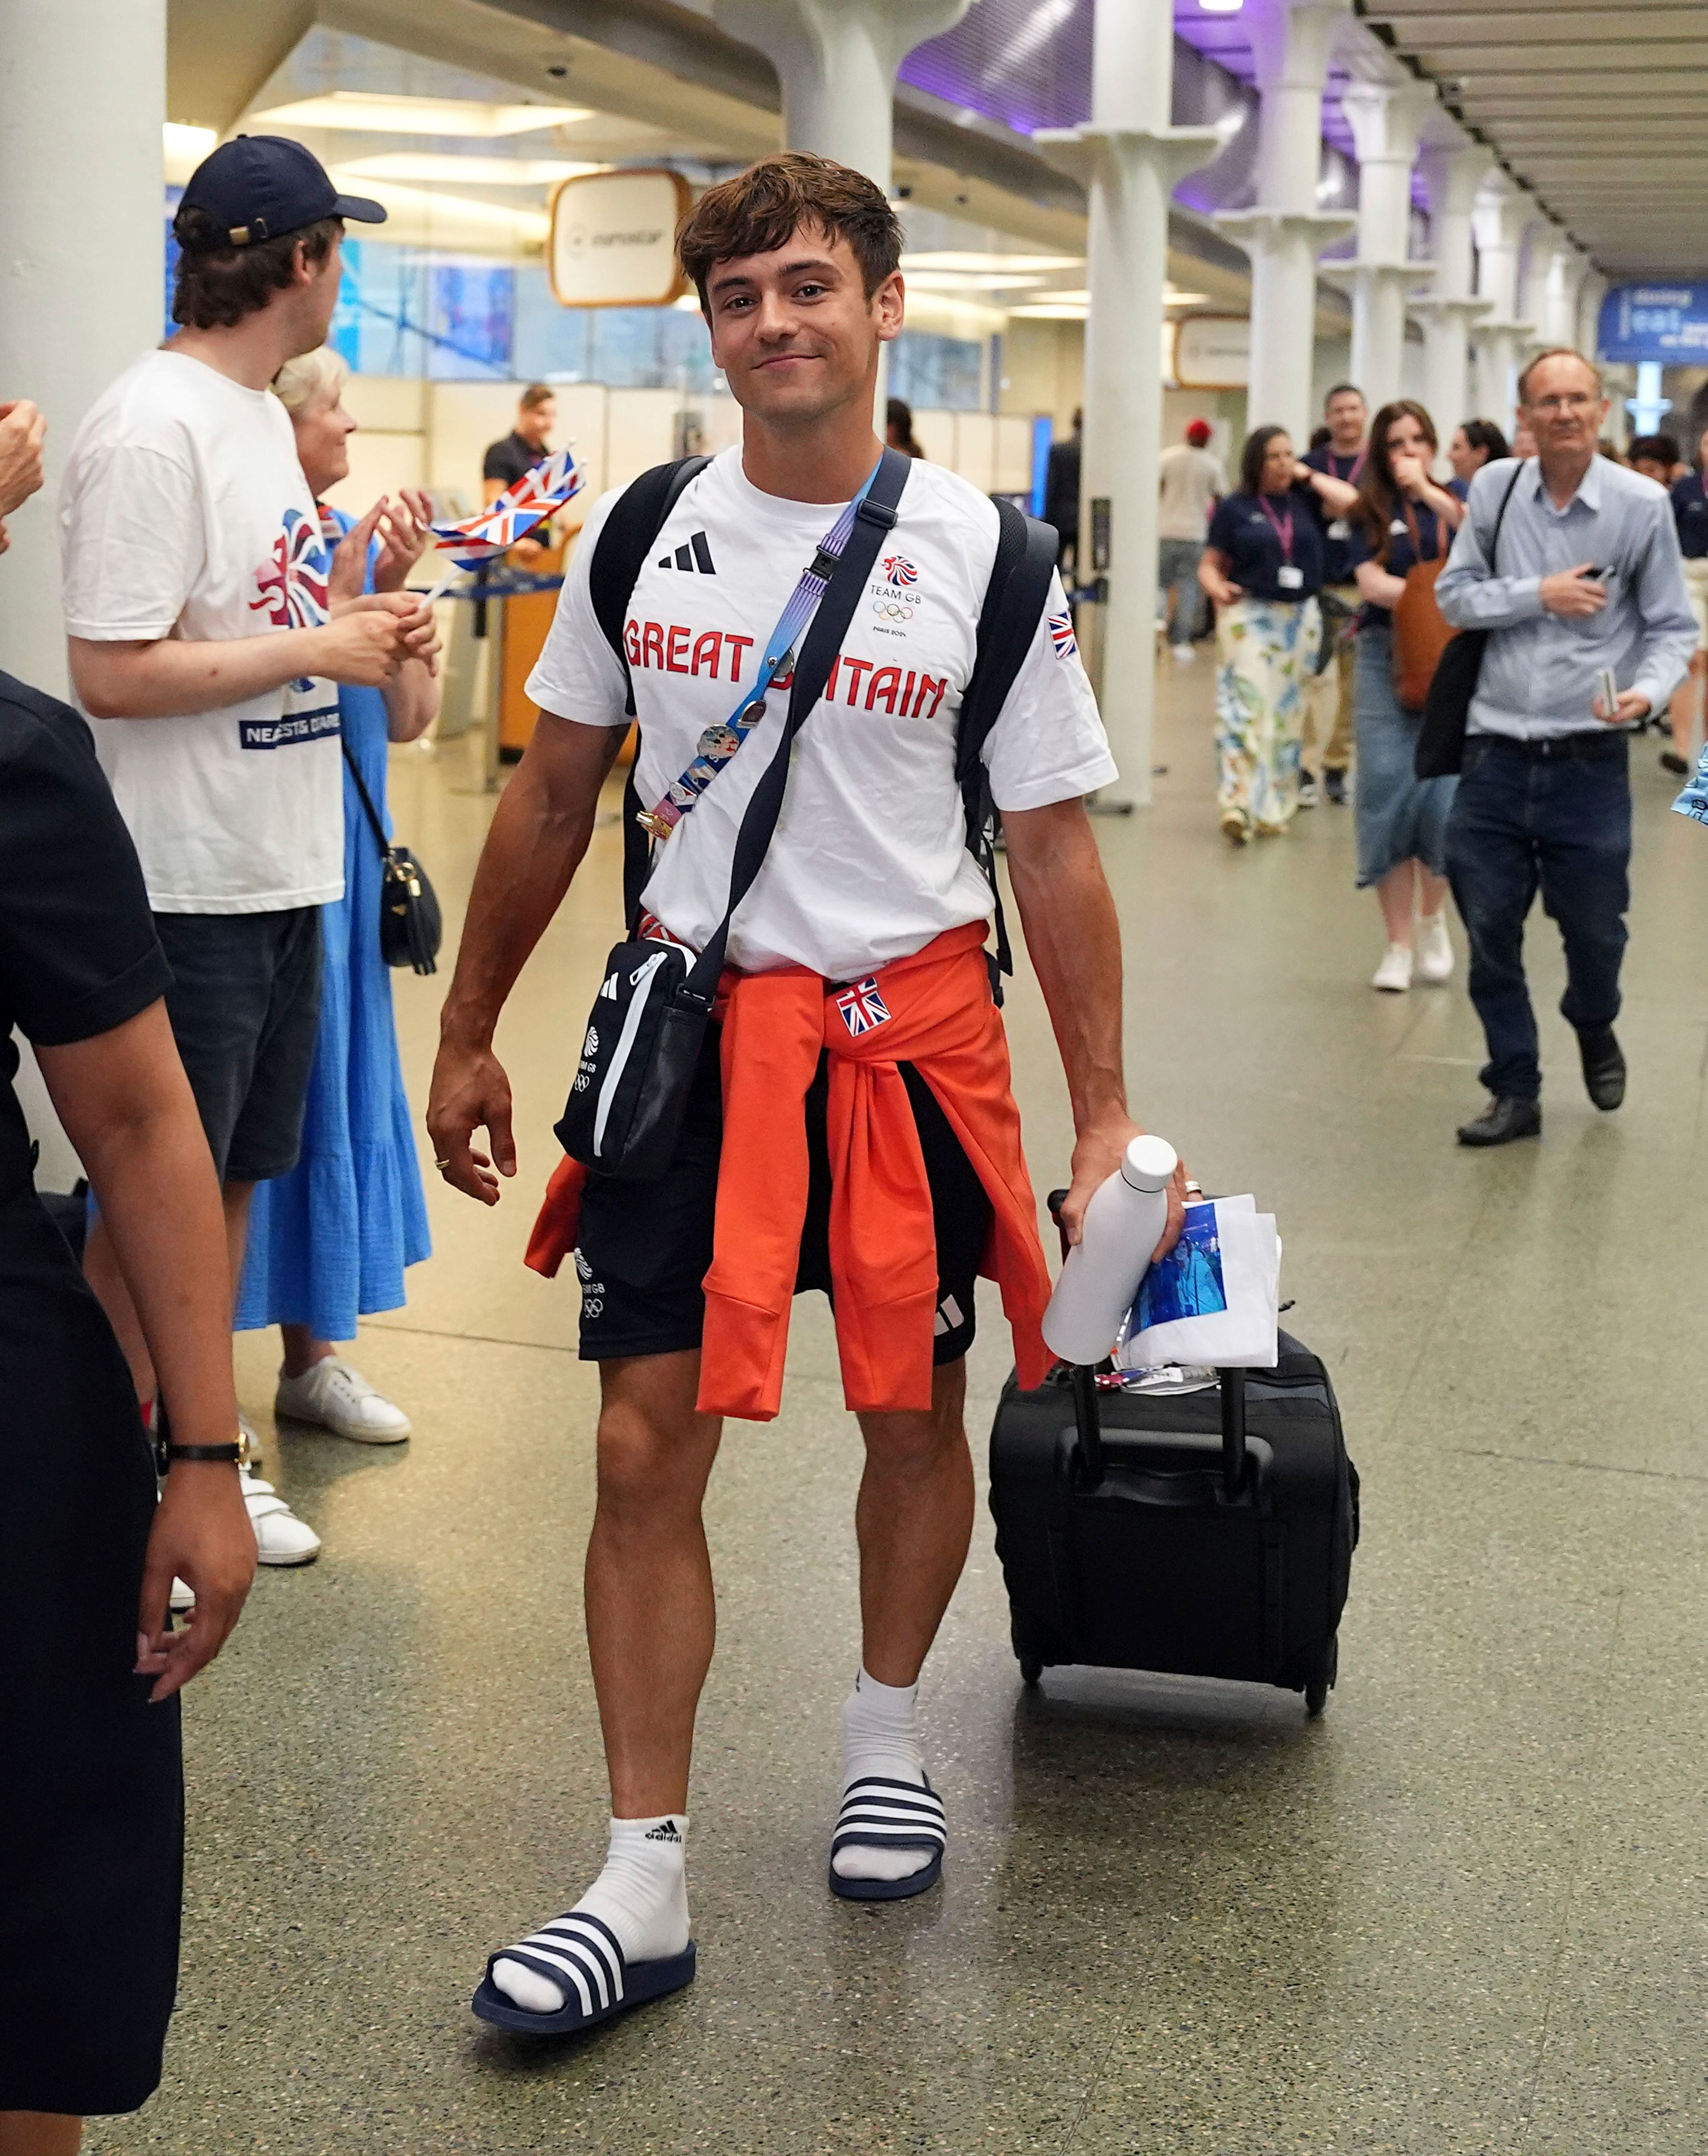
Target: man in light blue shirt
(1588, 581)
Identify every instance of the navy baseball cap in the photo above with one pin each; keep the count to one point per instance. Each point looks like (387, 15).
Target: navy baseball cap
(260, 186)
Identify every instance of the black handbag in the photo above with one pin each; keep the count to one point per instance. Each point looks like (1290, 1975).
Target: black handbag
(1447, 709)
(411, 929)
(647, 1023)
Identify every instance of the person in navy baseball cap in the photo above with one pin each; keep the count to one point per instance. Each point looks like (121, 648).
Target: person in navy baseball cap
(260, 186)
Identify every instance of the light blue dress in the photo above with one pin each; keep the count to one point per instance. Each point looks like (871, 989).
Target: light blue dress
(329, 1242)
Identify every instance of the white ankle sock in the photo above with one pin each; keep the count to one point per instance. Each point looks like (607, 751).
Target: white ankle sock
(880, 1736)
(642, 1894)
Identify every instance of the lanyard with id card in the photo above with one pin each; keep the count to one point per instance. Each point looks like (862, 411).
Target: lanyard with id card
(1290, 576)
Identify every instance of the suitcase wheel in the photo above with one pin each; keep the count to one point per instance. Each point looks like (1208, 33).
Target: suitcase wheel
(1031, 1669)
(1318, 1688)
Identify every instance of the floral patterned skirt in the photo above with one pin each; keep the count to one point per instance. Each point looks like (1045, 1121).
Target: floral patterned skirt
(1265, 650)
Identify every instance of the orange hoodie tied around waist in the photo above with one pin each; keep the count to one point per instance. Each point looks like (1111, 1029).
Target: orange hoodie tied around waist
(933, 1010)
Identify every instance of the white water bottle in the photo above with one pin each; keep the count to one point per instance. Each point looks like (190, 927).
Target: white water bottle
(1100, 1279)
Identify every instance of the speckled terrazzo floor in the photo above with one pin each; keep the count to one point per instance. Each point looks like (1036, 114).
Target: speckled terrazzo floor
(1463, 1913)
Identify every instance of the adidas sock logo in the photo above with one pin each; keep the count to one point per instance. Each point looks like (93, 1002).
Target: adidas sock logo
(694, 554)
(664, 1832)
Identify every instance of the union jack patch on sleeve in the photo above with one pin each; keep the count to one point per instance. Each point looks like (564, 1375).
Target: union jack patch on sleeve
(862, 1007)
(1061, 633)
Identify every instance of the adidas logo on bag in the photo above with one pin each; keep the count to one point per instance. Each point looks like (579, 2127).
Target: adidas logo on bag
(667, 1832)
(608, 993)
(694, 554)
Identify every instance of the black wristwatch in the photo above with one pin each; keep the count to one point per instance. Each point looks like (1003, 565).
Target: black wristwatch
(231, 1453)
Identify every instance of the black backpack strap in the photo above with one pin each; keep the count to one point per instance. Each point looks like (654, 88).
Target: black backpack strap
(619, 555)
(1014, 600)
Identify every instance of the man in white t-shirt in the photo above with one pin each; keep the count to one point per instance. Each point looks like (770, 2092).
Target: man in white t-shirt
(1193, 481)
(857, 1102)
(205, 643)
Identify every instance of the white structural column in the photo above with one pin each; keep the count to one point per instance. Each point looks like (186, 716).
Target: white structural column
(1566, 272)
(836, 61)
(80, 275)
(1591, 294)
(1130, 158)
(1542, 238)
(1452, 173)
(1285, 233)
(1387, 121)
(1499, 217)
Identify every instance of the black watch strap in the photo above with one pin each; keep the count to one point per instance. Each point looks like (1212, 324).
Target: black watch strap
(229, 1453)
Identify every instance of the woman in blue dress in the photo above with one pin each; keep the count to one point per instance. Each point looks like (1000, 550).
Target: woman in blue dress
(1402, 519)
(329, 1242)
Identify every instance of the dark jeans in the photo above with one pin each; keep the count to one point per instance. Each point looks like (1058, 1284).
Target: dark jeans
(1560, 825)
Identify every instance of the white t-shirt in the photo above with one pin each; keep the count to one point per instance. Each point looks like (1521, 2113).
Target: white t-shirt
(184, 512)
(869, 860)
(1192, 479)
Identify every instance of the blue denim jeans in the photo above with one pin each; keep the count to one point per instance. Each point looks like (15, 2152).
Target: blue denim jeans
(1178, 577)
(1560, 825)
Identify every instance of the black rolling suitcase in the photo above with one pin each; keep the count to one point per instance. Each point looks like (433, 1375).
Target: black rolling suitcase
(1209, 1534)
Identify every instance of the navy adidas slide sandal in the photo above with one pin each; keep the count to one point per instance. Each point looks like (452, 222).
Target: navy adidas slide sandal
(581, 1956)
(879, 1814)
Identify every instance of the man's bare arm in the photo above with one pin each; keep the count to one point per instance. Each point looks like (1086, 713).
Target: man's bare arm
(540, 832)
(1074, 941)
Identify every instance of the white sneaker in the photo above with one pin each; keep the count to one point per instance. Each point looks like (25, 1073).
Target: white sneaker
(1394, 973)
(280, 1537)
(182, 1597)
(1307, 790)
(1184, 655)
(338, 1398)
(1434, 948)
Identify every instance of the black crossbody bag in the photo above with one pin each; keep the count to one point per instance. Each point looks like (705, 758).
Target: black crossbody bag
(410, 927)
(644, 1037)
(1447, 708)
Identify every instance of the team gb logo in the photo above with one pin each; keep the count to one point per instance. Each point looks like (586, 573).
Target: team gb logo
(899, 569)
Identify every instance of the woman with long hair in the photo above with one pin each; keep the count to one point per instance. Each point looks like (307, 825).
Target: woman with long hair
(329, 1242)
(1402, 519)
(1477, 442)
(1262, 566)
(1689, 509)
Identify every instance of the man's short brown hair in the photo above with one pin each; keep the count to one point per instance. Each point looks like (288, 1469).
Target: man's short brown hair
(755, 212)
(217, 285)
(535, 395)
(1558, 352)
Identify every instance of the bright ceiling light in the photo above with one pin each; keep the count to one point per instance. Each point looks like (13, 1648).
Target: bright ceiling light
(412, 204)
(1081, 298)
(1049, 311)
(192, 142)
(967, 280)
(418, 116)
(440, 167)
(1171, 298)
(952, 258)
(1221, 6)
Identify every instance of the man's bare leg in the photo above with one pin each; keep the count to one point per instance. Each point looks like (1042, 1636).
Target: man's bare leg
(100, 1269)
(651, 1618)
(39, 2133)
(651, 1614)
(914, 1521)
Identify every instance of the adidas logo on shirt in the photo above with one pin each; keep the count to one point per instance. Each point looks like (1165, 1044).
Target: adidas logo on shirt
(667, 1832)
(694, 554)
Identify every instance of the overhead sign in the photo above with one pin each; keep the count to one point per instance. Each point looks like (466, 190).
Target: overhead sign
(1667, 323)
(1212, 351)
(614, 240)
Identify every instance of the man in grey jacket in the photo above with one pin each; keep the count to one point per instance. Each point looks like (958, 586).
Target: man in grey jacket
(1588, 581)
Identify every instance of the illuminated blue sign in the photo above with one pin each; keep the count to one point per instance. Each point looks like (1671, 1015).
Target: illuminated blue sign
(1665, 323)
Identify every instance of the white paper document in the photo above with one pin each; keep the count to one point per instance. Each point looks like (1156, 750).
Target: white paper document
(1213, 1299)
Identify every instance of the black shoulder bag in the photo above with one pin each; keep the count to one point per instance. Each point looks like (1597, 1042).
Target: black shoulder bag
(410, 927)
(649, 1020)
(1447, 708)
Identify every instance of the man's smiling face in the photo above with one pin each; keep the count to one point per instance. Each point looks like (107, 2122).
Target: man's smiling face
(794, 332)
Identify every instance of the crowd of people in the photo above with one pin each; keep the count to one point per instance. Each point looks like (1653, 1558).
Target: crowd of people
(190, 936)
(1338, 580)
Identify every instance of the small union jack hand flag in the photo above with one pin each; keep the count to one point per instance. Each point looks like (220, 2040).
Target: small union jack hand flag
(862, 1007)
(514, 515)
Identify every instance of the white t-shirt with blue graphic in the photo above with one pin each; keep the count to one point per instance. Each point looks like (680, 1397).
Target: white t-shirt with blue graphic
(184, 512)
(869, 860)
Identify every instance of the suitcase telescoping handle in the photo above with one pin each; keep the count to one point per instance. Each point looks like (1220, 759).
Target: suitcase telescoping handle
(1088, 1420)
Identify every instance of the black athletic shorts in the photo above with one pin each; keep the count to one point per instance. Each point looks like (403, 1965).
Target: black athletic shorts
(645, 1248)
(245, 1007)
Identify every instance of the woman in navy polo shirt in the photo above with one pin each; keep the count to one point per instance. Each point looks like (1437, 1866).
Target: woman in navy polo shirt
(1262, 566)
(1402, 518)
(1689, 509)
